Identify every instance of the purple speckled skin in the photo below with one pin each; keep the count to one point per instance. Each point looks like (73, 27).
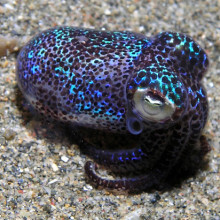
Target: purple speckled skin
(94, 79)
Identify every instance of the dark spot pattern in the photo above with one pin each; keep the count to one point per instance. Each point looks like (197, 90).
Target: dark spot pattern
(88, 78)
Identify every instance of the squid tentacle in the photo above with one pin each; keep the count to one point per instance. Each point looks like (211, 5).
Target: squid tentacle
(144, 182)
(128, 160)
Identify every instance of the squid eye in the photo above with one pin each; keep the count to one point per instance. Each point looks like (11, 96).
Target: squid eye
(151, 106)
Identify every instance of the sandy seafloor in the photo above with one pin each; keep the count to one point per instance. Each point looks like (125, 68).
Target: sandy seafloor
(41, 170)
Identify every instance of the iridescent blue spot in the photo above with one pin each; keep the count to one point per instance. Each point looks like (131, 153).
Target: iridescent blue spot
(35, 69)
(87, 105)
(98, 93)
(201, 92)
(72, 89)
(30, 54)
(41, 52)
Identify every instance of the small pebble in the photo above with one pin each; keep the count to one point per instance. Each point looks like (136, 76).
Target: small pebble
(53, 181)
(54, 167)
(131, 8)
(135, 215)
(9, 134)
(47, 208)
(107, 12)
(155, 197)
(2, 140)
(64, 159)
